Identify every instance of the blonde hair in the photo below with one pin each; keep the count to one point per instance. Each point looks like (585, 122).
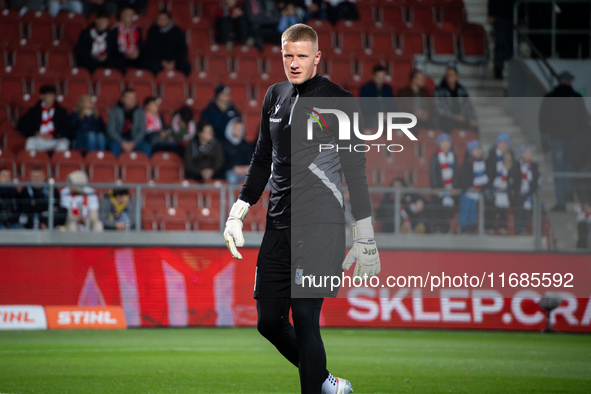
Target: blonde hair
(300, 32)
(81, 110)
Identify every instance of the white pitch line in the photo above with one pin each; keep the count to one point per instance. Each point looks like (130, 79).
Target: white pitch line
(127, 350)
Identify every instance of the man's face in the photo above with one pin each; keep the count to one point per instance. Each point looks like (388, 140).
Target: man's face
(526, 154)
(5, 176)
(162, 20)
(379, 77)
(445, 145)
(225, 96)
(101, 24)
(48, 99)
(37, 176)
(237, 129)
(300, 60)
(129, 100)
(126, 16)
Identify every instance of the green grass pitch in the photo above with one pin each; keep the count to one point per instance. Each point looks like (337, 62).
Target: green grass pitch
(239, 360)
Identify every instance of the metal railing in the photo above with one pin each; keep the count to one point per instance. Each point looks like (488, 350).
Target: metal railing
(553, 31)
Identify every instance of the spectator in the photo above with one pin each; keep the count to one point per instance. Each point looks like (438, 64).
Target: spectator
(117, 210)
(47, 124)
(471, 181)
(9, 208)
(55, 6)
(88, 127)
(523, 180)
(219, 111)
(92, 49)
(100, 6)
(204, 156)
(81, 203)
(452, 104)
(416, 100)
(583, 212)
(125, 41)
(237, 152)
(443, 178)
(412, 211)
(288, 18)
(498, 164)
(126, 127)
(377, 87)
(182, 129)
(337, 10)
(166, 46)
(34, 202)
(564, 129)
(500, 15)
(262, 17)
(155, 127)
(231, 24)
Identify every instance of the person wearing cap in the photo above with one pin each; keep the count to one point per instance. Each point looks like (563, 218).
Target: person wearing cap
(47, 124)
(220, 111)
(471, 181)
(453, 107)
(498, 164)
(523, 180)
(564, 130)
(443, 176)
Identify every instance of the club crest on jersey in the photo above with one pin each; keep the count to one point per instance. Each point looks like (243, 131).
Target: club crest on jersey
(299, 276)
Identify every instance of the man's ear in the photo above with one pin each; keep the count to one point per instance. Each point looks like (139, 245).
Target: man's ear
(318, 56)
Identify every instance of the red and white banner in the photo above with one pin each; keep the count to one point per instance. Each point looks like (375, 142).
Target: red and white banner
(205, 287)
(22, 317)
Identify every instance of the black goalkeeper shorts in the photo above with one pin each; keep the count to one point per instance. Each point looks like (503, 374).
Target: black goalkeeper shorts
(316, 250)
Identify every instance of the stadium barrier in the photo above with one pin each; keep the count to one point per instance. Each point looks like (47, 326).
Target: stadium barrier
(178, 287)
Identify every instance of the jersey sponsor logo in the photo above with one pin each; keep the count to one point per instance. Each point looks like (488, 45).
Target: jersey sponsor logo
(74, 317)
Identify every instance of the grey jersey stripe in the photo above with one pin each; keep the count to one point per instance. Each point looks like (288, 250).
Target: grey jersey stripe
(320, 174)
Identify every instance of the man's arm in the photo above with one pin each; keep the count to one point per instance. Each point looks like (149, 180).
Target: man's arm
(262, 158)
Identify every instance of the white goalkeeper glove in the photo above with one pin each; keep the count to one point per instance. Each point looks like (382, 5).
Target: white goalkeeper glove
(233, 231)
(364, 251)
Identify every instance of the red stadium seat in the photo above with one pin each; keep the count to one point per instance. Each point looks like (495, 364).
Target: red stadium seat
(340, 69)
(381, 42)
(252, 122)
(182, 12)
(186, 199)
(11, 87)
(143, 89)
(387, 175)
(135, 172)
(7, 159)
(69, 18)
(28, 159)
(216, 66)
(168, 167)
(155, 198)
(473, 44)
(421, 178)
(392, 15)
(422, 16)
(107, 74)
(207, 219)
(172, 219)
(4, 114)
(102, 166)
(454, 14)
(36, 17)
(11, 32)
(351, 42)
(77, 87)
(14, 141)
(248, 65)
(58, 60)
(65, 162)
(70, 33)
(26, 60)
(174, 93)
(137, 75)
(75, 73)
(153, 7)
(109, 90)
(11, 15)
(414, 43)
(41, 33)
(443, 47)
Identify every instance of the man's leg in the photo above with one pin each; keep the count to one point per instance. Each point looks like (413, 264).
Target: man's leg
(558, 161)
(273, 323)
(312, 356)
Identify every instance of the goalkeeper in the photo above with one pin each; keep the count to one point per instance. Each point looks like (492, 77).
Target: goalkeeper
(320, 240)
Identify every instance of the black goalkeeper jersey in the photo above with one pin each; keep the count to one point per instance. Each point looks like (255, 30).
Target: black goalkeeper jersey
(317, 195)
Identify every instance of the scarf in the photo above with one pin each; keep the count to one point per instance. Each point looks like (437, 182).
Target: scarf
(153, 123)
(202, 149)
(480, 177)
(99, 42)
(583, 214)
(47, 126)
(127, 38)
(500, 183)
(447, 163)
(80, 209)
(118, 211)
(526, 180)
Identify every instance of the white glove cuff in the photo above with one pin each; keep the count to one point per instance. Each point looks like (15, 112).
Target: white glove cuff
(239, 210)
(363, 229)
